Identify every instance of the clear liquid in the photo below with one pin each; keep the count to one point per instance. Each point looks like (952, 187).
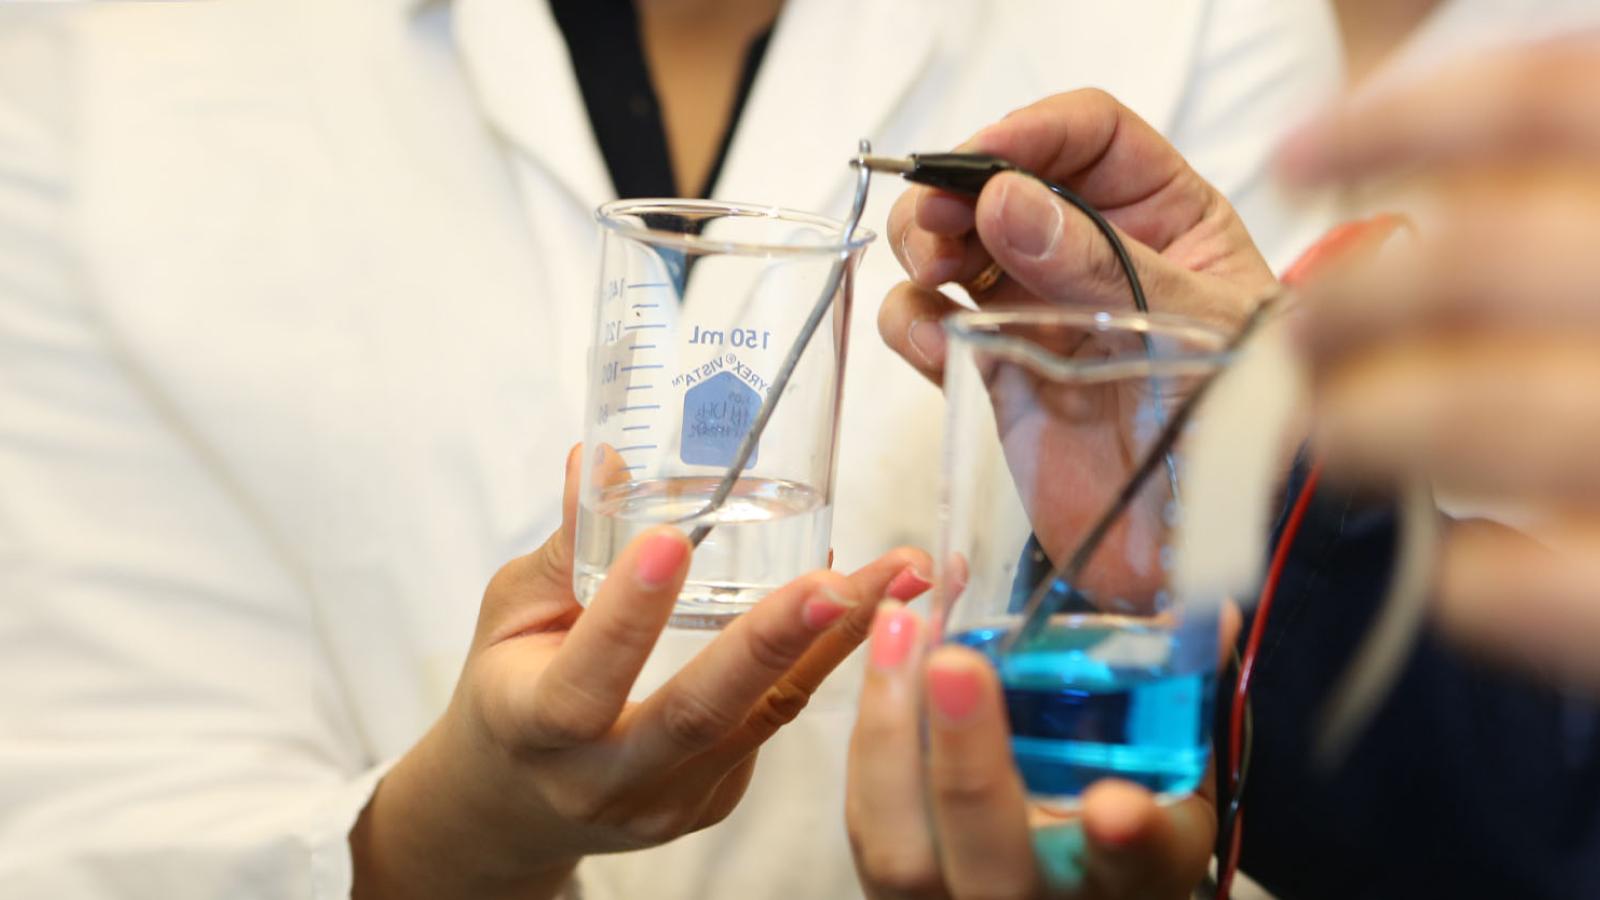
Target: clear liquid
(767, 533)
(1088, 700)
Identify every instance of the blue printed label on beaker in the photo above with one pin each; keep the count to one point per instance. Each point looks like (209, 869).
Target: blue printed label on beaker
(716, 414)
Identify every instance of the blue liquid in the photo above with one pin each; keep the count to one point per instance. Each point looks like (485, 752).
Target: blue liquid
(1090, 701)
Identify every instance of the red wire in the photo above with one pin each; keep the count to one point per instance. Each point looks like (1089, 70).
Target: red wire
(1247, 663)
(1339, 244)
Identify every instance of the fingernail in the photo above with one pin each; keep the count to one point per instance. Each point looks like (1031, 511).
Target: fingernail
(659, 559)
(908, 584)
(1030, 219)
(894, 634)
(926, 337)
(905, 254)
(824, 608)
(954, 690)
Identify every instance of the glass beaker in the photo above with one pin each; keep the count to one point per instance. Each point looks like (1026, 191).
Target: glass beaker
(698, 305)
(1049, 411)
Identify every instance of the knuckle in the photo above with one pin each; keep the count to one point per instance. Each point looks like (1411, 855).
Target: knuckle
(512, 578)
(585, 807)
(628, 632)
(1097, 96)
(879, 723)
(503, 580)
(770, 647)
(693, 724)
(656, 828)
(782, 705)
(566, 714)
(537, 575)
(856, 626)
(962, 786)
(551, 562)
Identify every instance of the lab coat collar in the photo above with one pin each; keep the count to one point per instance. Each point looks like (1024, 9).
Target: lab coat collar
(517, 62)
(835, 71)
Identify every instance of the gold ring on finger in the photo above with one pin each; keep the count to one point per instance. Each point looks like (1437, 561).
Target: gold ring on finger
(984, 280)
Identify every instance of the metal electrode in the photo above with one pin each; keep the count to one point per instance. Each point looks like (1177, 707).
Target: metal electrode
(830, 287)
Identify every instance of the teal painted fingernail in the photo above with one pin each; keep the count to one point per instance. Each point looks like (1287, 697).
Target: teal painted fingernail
(1060, 849)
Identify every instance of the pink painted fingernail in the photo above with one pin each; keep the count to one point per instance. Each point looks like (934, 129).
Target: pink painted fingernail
(908, 584)
(659, 559)
(824, 608)
(894, 634)
(954, 690)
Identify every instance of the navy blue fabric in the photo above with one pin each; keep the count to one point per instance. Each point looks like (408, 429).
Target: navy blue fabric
(1470, 782)
(1033, 567)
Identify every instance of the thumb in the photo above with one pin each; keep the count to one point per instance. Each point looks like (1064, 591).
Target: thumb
(1139, 848)
(535, 590)
(553, 561)
(555, 557)
(1056, 252)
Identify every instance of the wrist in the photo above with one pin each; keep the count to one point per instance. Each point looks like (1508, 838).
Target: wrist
(442, 824)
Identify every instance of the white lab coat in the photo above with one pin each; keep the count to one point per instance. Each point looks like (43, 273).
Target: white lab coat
(294, 296)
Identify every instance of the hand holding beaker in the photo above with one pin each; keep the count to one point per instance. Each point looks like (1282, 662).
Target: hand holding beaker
(540, 757)
(943, 812)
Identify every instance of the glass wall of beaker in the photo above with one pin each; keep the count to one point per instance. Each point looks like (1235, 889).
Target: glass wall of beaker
(699, 304)
(1049, 412)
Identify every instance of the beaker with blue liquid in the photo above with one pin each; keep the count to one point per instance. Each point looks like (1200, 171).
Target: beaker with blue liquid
(1049, 412)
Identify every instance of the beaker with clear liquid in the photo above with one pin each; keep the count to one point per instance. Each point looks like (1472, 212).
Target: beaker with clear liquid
(1049, 410)
(699, 303)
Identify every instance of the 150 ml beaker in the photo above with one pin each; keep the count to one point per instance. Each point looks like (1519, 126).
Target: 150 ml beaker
(1049, 412)
(699, 303)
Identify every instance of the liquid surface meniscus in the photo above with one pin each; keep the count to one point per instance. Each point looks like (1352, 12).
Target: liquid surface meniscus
(767, 533)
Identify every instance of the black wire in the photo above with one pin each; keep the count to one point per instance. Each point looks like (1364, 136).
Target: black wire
(1229, 802)
(1124, 259)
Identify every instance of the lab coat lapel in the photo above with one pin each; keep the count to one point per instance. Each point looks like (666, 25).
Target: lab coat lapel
(835, 71)
(517, 61)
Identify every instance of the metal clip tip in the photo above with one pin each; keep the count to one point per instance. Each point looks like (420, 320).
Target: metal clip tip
(885, 164)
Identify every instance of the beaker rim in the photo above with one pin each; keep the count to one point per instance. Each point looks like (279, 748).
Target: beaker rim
(607, 215)
(970, 326)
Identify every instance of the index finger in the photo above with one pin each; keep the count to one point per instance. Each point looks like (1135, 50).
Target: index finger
(759, 673)
(1088, 141)
(976, 794)
(1085, 139)
(898, 575)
